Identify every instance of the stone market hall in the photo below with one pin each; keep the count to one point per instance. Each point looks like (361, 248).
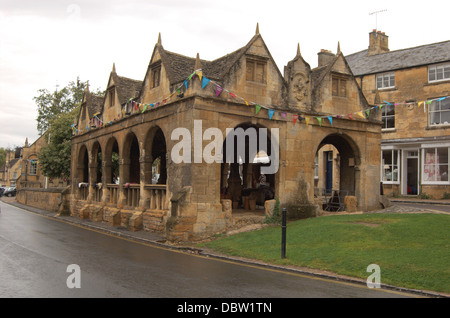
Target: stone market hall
(131, 166)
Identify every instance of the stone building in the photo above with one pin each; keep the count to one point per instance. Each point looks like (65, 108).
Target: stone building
(165, 153)
(412, 88)
(11, 170)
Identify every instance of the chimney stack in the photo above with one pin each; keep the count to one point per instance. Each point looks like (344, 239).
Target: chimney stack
(325, 57)
(378, 42)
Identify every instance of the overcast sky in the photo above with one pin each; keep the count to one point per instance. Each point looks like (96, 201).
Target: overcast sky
(48, 43)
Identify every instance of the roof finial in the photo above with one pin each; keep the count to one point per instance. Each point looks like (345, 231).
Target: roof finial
(159, 39)
(114, 68)
(338, 48)
(298, 49)
(197, 63)
(257, 28)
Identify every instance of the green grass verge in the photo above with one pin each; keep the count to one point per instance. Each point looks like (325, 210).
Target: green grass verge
(412, 250)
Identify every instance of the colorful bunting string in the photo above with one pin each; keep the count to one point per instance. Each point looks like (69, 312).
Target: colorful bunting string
(219, 89)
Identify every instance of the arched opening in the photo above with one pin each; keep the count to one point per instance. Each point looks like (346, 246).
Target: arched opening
(131, 155)
(110, 175)
(246, 150)
(83, 172)
(97, 174)
(155, 170)
(337, 158)
(159, 166)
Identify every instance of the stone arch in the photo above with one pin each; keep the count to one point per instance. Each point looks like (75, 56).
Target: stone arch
(130, 157)
(83, 172)
(241, 171)
(110, 159)
(155, 159)
(96, 165)
(345, 164)
(83, 164)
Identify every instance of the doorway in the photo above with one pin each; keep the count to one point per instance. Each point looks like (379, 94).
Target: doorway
(411, 175)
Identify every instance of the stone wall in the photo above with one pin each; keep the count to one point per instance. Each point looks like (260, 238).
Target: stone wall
(53, 199)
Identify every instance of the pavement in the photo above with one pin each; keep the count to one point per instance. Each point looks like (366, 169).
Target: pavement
(157, 239)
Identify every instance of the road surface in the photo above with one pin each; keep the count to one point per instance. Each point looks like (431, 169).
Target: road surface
(46, 258)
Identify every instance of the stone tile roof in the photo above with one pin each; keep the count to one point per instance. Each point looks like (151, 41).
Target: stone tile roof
(126, 88)
(179, 67)
(361, 63)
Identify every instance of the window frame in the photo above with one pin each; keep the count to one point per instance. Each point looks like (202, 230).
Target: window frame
(434, 68)
(390, 77)
(112, 96)
(155, 80)
(341, 86)
(436, 164)
(392, 165)
(430, 112)
(32, 171)
(385, 116)
(255, 61)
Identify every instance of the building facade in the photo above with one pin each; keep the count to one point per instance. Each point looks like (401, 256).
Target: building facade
(196, 141)
(412, 90)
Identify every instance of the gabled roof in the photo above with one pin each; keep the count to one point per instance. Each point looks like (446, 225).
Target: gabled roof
(126, 88)
(179, 67)
(362, 64)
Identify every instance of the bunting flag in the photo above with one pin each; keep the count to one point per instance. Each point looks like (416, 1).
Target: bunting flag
(219, 89)
(205, 82)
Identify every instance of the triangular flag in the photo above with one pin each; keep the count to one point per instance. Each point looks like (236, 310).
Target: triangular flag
(218, 90)
(186, 83)
(145, 108)
(295, 117)
(271, 111)
(331, 120)
(419, 104)
(319, 119)
(361, 114)
(283, 114)
(199, 74)
(350, 116)
(190, 76)
(307, 120)
(368, 113)
(205, 82)
(246, 103)
(232, 95)
(257, 108)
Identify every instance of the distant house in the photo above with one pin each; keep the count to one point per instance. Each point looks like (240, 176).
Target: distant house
(11, 170)
(412, 86)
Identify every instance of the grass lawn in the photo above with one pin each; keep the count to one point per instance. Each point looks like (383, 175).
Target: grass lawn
(412, 250)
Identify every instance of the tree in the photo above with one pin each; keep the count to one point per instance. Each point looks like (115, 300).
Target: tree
(54, 158)
(56, 114)
(51, 105)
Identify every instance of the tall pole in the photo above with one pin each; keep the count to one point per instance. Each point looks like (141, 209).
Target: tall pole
(283, 233)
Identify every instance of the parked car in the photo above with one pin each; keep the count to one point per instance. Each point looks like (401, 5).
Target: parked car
(10, 192)
(2, 189)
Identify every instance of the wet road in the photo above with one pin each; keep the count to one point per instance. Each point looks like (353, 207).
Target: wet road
(36, 251)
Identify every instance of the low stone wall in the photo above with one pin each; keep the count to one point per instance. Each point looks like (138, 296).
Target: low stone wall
(53, 199)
